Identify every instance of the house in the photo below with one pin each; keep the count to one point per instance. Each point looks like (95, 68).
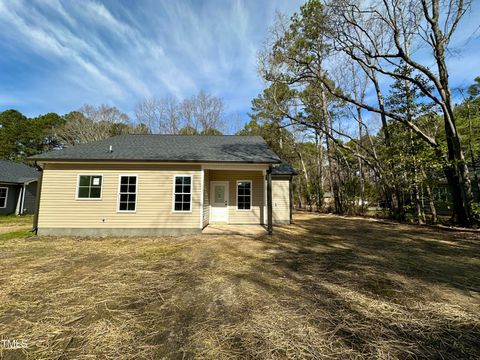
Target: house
(18, 188)
(161, 184)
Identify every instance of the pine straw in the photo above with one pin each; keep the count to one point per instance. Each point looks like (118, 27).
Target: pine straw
(325, 288)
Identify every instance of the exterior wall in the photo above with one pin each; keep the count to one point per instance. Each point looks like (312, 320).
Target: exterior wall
(59, 208)
(12, 198)
(206, 197)
(30, 198)
(281, 200)
(256, 214)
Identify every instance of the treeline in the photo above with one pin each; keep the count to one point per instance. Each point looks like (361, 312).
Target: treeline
(21, 137)
(407, 150)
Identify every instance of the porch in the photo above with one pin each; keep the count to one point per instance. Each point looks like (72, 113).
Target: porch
(235, 199)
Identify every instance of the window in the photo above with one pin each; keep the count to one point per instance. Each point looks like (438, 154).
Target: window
(183, 193)
(89, 187)
(244, 195)
(128, 193)
(3, 197)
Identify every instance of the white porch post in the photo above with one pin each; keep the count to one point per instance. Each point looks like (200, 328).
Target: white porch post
(22, 206)
(18, 208)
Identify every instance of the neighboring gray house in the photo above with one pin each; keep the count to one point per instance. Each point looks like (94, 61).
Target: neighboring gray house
(18, 188)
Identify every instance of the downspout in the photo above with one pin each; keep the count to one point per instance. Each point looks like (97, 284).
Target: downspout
(37, 203)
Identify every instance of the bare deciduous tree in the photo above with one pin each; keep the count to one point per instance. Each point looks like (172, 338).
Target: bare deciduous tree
(91, 123)
(161, 115)
(201, 114)
(426, 23)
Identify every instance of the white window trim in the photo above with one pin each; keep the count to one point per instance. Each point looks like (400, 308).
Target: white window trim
(191, 194)
(78, 184)
(6, 197)
(251, 196)
(118, 194)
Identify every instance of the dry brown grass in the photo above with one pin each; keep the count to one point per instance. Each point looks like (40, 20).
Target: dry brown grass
(12, 223)
(326, 287)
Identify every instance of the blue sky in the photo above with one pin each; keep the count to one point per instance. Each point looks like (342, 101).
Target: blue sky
(58, 55)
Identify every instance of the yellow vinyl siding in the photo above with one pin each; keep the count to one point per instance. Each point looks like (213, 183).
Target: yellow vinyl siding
(206, 197)
(60, 209)
(281, 200)
(253, 216)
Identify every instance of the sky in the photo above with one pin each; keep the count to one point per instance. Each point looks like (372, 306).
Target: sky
(56, 56)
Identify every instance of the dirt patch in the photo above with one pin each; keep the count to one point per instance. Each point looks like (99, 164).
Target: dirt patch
(325, 287)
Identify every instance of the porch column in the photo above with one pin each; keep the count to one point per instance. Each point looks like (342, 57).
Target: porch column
(269, 201)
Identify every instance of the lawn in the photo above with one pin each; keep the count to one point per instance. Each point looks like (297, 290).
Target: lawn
(13, 226)
(326, 287)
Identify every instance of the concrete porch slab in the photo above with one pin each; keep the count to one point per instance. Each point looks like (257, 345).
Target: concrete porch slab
(226, 229)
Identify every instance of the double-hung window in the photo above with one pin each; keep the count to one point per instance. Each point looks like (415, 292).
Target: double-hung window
(3, 197)
(127, 194)
(89, 187)
(244, 195)
(182, 193)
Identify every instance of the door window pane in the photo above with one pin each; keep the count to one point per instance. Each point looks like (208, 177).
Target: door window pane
(219, 194)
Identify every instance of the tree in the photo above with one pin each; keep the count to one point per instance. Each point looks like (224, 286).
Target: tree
(373, 39)
(13, 125)
(280, 140)
(163, 116)
(187, 130)
(42, 133)
(21, 137)
(91, 123)
(396, 24)
(468, 121)
(201, 112)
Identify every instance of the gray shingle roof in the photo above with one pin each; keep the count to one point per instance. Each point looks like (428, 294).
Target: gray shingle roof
(169, 148)
(13, 172)
(283, 169)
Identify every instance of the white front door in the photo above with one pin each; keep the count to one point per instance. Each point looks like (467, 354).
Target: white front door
(219, 201)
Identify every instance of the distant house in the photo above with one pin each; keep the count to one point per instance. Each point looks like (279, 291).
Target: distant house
(18, 188)
(162, 184)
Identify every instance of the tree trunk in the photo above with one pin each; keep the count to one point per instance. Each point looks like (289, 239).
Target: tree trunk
(456, 171)
(318, 190)
(431, 201)
(360, 164)
(390, 190)
(305, 175)
(415, 190)
(476, 184)
(300, 204)
(327, 126)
